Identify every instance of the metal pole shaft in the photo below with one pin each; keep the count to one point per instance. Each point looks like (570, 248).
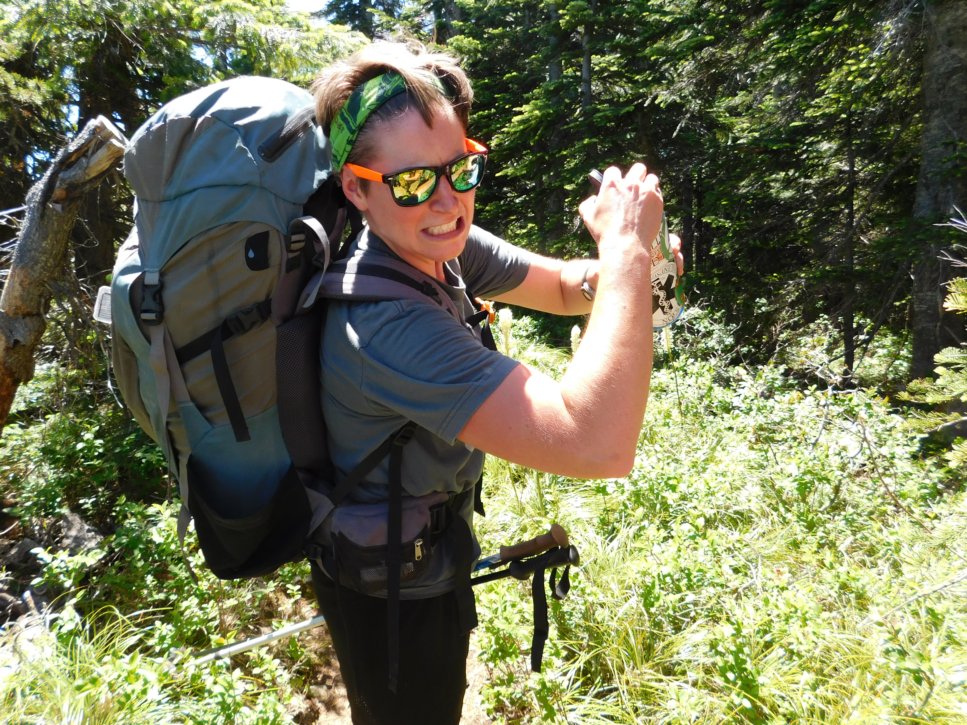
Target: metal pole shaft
(221, 653)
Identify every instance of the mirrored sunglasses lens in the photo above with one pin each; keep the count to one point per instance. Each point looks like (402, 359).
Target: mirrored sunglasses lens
(414, 186)
(467, 172)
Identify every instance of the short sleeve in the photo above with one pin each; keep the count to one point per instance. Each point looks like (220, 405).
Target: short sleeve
(419, 363)
(491, 266)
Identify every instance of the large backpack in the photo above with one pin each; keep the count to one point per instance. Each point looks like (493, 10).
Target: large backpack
(216, 316)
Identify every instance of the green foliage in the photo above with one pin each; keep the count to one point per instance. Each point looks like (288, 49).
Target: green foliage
(785, 137)
(815, 354)
(783, 551)
(63, 63)
(778, 554)
(947, 393)
(84, 454)
(96, 670)
(104, 668)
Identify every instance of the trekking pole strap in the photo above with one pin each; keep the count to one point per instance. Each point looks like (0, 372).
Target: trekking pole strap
(522, 569)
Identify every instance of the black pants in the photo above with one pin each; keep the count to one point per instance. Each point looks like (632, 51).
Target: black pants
(433, 656)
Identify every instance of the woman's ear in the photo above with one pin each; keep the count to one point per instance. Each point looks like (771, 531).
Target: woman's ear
(352, 189)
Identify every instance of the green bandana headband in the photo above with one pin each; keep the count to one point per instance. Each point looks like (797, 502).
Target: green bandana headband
(363, 102)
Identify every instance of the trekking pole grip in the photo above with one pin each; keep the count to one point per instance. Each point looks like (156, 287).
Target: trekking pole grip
(556, 536)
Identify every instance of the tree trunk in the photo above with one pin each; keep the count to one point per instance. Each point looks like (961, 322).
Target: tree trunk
(554, 65)
(38, 260)
(849, 259)
(445, 14)
(587, 35)
(942, 185)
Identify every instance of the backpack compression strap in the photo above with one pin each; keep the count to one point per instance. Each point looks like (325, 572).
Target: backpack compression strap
(214, 341)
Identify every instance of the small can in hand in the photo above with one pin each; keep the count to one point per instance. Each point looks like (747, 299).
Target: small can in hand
(667, 289)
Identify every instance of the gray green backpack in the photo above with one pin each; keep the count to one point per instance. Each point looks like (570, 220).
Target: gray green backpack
(216, 309)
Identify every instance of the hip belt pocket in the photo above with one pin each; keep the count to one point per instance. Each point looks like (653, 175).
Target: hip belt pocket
(359, 534)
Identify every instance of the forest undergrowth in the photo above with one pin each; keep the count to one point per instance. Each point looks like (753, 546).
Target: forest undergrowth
(785, 550)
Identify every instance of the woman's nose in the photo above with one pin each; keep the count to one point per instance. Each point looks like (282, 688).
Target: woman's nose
(444, 196)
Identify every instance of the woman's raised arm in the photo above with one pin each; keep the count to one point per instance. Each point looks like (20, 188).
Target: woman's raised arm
(588, 423)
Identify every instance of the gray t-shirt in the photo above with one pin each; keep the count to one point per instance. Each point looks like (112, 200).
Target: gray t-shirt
(389, 362)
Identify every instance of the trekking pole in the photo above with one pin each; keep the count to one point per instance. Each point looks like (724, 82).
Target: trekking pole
(535, 567)
(230, 650)
(556, 536)
(524, 568)
(513, 555)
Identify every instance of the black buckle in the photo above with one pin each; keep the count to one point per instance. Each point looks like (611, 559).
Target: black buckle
(152, 306)
(245, 320)
(440, 517)
(404, 435)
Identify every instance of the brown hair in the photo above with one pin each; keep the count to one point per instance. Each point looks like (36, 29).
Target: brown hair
(421, 70)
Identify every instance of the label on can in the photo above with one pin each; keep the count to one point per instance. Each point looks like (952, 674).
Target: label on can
(667, 290)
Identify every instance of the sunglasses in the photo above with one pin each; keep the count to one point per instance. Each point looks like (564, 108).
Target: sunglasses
(410, 187)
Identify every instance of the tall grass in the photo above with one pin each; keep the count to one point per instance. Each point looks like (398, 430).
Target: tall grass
(781, 553)
(88, 672)
(777, 555)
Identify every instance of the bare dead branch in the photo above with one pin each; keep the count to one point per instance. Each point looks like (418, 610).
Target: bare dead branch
(39, 256)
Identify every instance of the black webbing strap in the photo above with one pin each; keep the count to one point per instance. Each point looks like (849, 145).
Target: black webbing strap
(461, 544)
(478, 507)
(214, 340)
(394, 552)
(482, 318)
(559, 590)
(369, 463)
(378, 270)
(487, 338)
(223, 377)
(477, 317)
(241, 321)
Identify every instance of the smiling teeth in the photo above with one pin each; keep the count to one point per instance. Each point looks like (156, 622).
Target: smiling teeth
(443, 228)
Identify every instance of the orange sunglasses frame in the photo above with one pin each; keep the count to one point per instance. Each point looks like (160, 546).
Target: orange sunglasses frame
(473, 147)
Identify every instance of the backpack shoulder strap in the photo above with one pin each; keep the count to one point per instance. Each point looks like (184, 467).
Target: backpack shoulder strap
(366, 280)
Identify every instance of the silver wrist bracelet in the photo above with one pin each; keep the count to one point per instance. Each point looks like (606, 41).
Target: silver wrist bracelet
(586, 289)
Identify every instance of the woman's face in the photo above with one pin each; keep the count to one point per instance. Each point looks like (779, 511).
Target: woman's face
(431, 233)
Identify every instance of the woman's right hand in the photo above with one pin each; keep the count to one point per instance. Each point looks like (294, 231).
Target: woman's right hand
(626, 207)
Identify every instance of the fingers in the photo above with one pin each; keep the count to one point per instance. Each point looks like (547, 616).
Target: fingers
(628, 203)
(586, 210)
(637, 174)
(675, 242)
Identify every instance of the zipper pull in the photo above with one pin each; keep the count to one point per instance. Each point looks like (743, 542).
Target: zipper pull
(418, 549)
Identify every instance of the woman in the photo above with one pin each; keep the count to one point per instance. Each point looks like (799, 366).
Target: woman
(397, 117)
